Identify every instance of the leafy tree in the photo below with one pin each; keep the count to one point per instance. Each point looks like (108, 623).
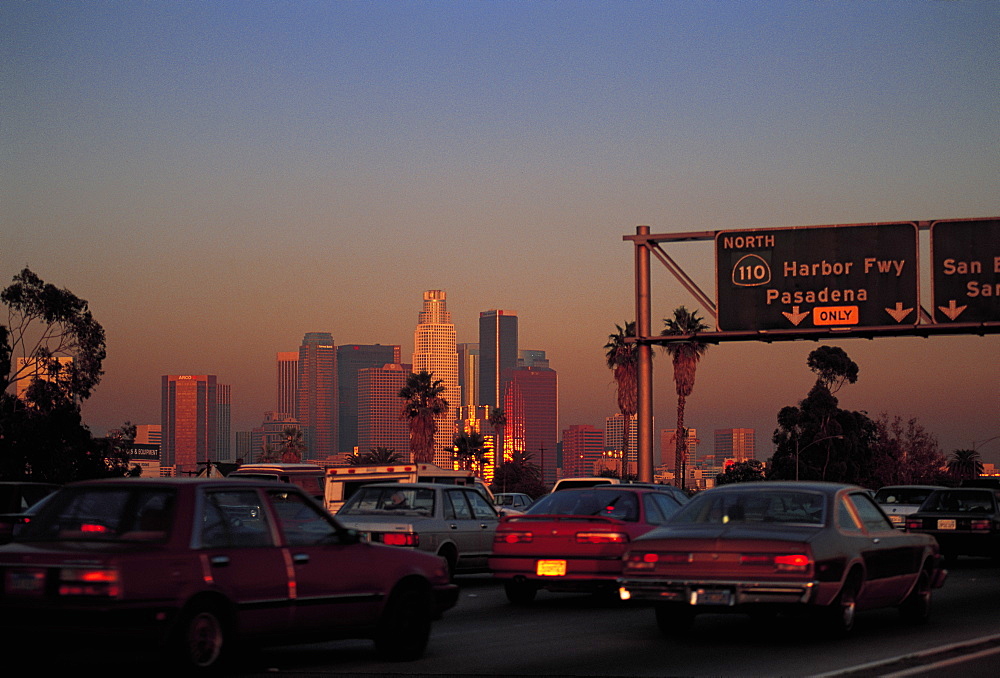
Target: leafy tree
(819, 441)
(519, 474)
(906, 454)
(965, 464)
(376, 456)
(470, 448)
(685, 355)
(623, 359)
(293, 446)
(42, 436)
(422, 405)
(747, 471)
(46, 323)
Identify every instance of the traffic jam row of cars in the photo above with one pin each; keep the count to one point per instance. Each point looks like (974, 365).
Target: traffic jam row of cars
(203, 568)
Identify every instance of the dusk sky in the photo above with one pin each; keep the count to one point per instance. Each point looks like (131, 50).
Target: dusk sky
(219, 178)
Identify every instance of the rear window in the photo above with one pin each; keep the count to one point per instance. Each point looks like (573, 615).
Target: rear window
(902, 495)
(105, 514)
(761, 506)
(390, 501)
(959, 501)
(610, 503)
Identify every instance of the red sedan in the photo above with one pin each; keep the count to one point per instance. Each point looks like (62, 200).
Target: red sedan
(196, 567)
(782, 547)
(573, 540)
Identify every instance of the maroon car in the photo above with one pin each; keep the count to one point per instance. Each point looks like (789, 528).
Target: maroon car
(198, 566)
(573, 540)
(782, 547)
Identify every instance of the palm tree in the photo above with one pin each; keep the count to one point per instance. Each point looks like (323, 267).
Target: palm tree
(376, 456)
(293, 445)
(685, 355)
(965, 464)
(422, 405)
(623, 360)
(498, 420)
(469, 447)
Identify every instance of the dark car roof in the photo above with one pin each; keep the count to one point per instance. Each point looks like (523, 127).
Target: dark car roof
(812, 485)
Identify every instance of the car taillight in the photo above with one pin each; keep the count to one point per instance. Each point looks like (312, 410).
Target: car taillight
(401, 539)
(782, 563)
(914, 524)
(104, 583)
(980, 525)
(513, 537)
(601, 537)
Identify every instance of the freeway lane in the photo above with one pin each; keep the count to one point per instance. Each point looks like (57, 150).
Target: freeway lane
(572, 635)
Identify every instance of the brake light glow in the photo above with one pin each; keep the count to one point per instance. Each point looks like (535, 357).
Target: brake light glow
(105, 583)
(980, 525)
(401, 539)
(93, 527)
(601, 537)
(914, 524)
(513, 537)
(792, 563)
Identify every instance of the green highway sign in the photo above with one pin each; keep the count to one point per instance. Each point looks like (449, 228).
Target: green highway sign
(859, 275)
(965, 255)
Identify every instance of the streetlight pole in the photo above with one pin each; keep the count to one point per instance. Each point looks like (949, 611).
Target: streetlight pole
(798, 451)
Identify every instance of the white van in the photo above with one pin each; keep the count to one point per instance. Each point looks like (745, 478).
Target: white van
(310, 477)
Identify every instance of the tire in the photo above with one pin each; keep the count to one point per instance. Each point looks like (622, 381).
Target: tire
(405, 627)
(674, 619)
(201, 640)
(839, 616)
(916, 609)
(451, 559)
(520, 592)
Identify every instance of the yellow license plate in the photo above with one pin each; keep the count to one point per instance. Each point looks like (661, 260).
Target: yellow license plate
(896, 519)
(946, 524)
(551, 568)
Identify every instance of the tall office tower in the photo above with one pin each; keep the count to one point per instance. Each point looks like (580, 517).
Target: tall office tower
(436, 351)
(188, 410)
(223, 419)
(738, 444)
(268, 438)
(148, 434)
(244, 449)
(614, 436)
(583, 447)
(668, 445)
(351, 358)
(30, 370)
(287, 381)
(379, 403)
(531, 403)
(468, 373)
(316, 402)
(529, 358)
(497, 353)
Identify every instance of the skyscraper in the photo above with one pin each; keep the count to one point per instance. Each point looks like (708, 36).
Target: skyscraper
(468, 373)
(351, 358)
(223, 423)
(287, 381)
(379, 424)
(189, 411)
(316, 402)
(531, 404)
(436, 351)
(737, 444)
(583, 446)
(614, 439)
(497, 353)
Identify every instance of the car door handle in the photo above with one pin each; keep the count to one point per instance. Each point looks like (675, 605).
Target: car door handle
(875, 540)
(220, 561)
(300, 558)
(453, 526)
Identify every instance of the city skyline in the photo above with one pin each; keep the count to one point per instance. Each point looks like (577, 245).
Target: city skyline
(217, 181)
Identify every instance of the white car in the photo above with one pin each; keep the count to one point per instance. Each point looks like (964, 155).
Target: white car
(453, 521)
(899, 501)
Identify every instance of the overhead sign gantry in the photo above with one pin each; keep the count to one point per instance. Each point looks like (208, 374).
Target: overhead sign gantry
(811, 282)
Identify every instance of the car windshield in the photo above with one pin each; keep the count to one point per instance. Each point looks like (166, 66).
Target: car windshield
(610, 503)
(959, 501)
(902, 495)
(384, 500)
(764, 506)
(106, 514)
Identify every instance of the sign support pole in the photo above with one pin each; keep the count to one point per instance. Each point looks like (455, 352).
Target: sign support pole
(644, 378)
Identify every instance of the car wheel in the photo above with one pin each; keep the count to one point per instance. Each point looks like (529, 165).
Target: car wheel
(405, 626)
(674, 619)
(840, 614)
(450, 558)
(916, 609)
(201, 639)
(520, 592)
